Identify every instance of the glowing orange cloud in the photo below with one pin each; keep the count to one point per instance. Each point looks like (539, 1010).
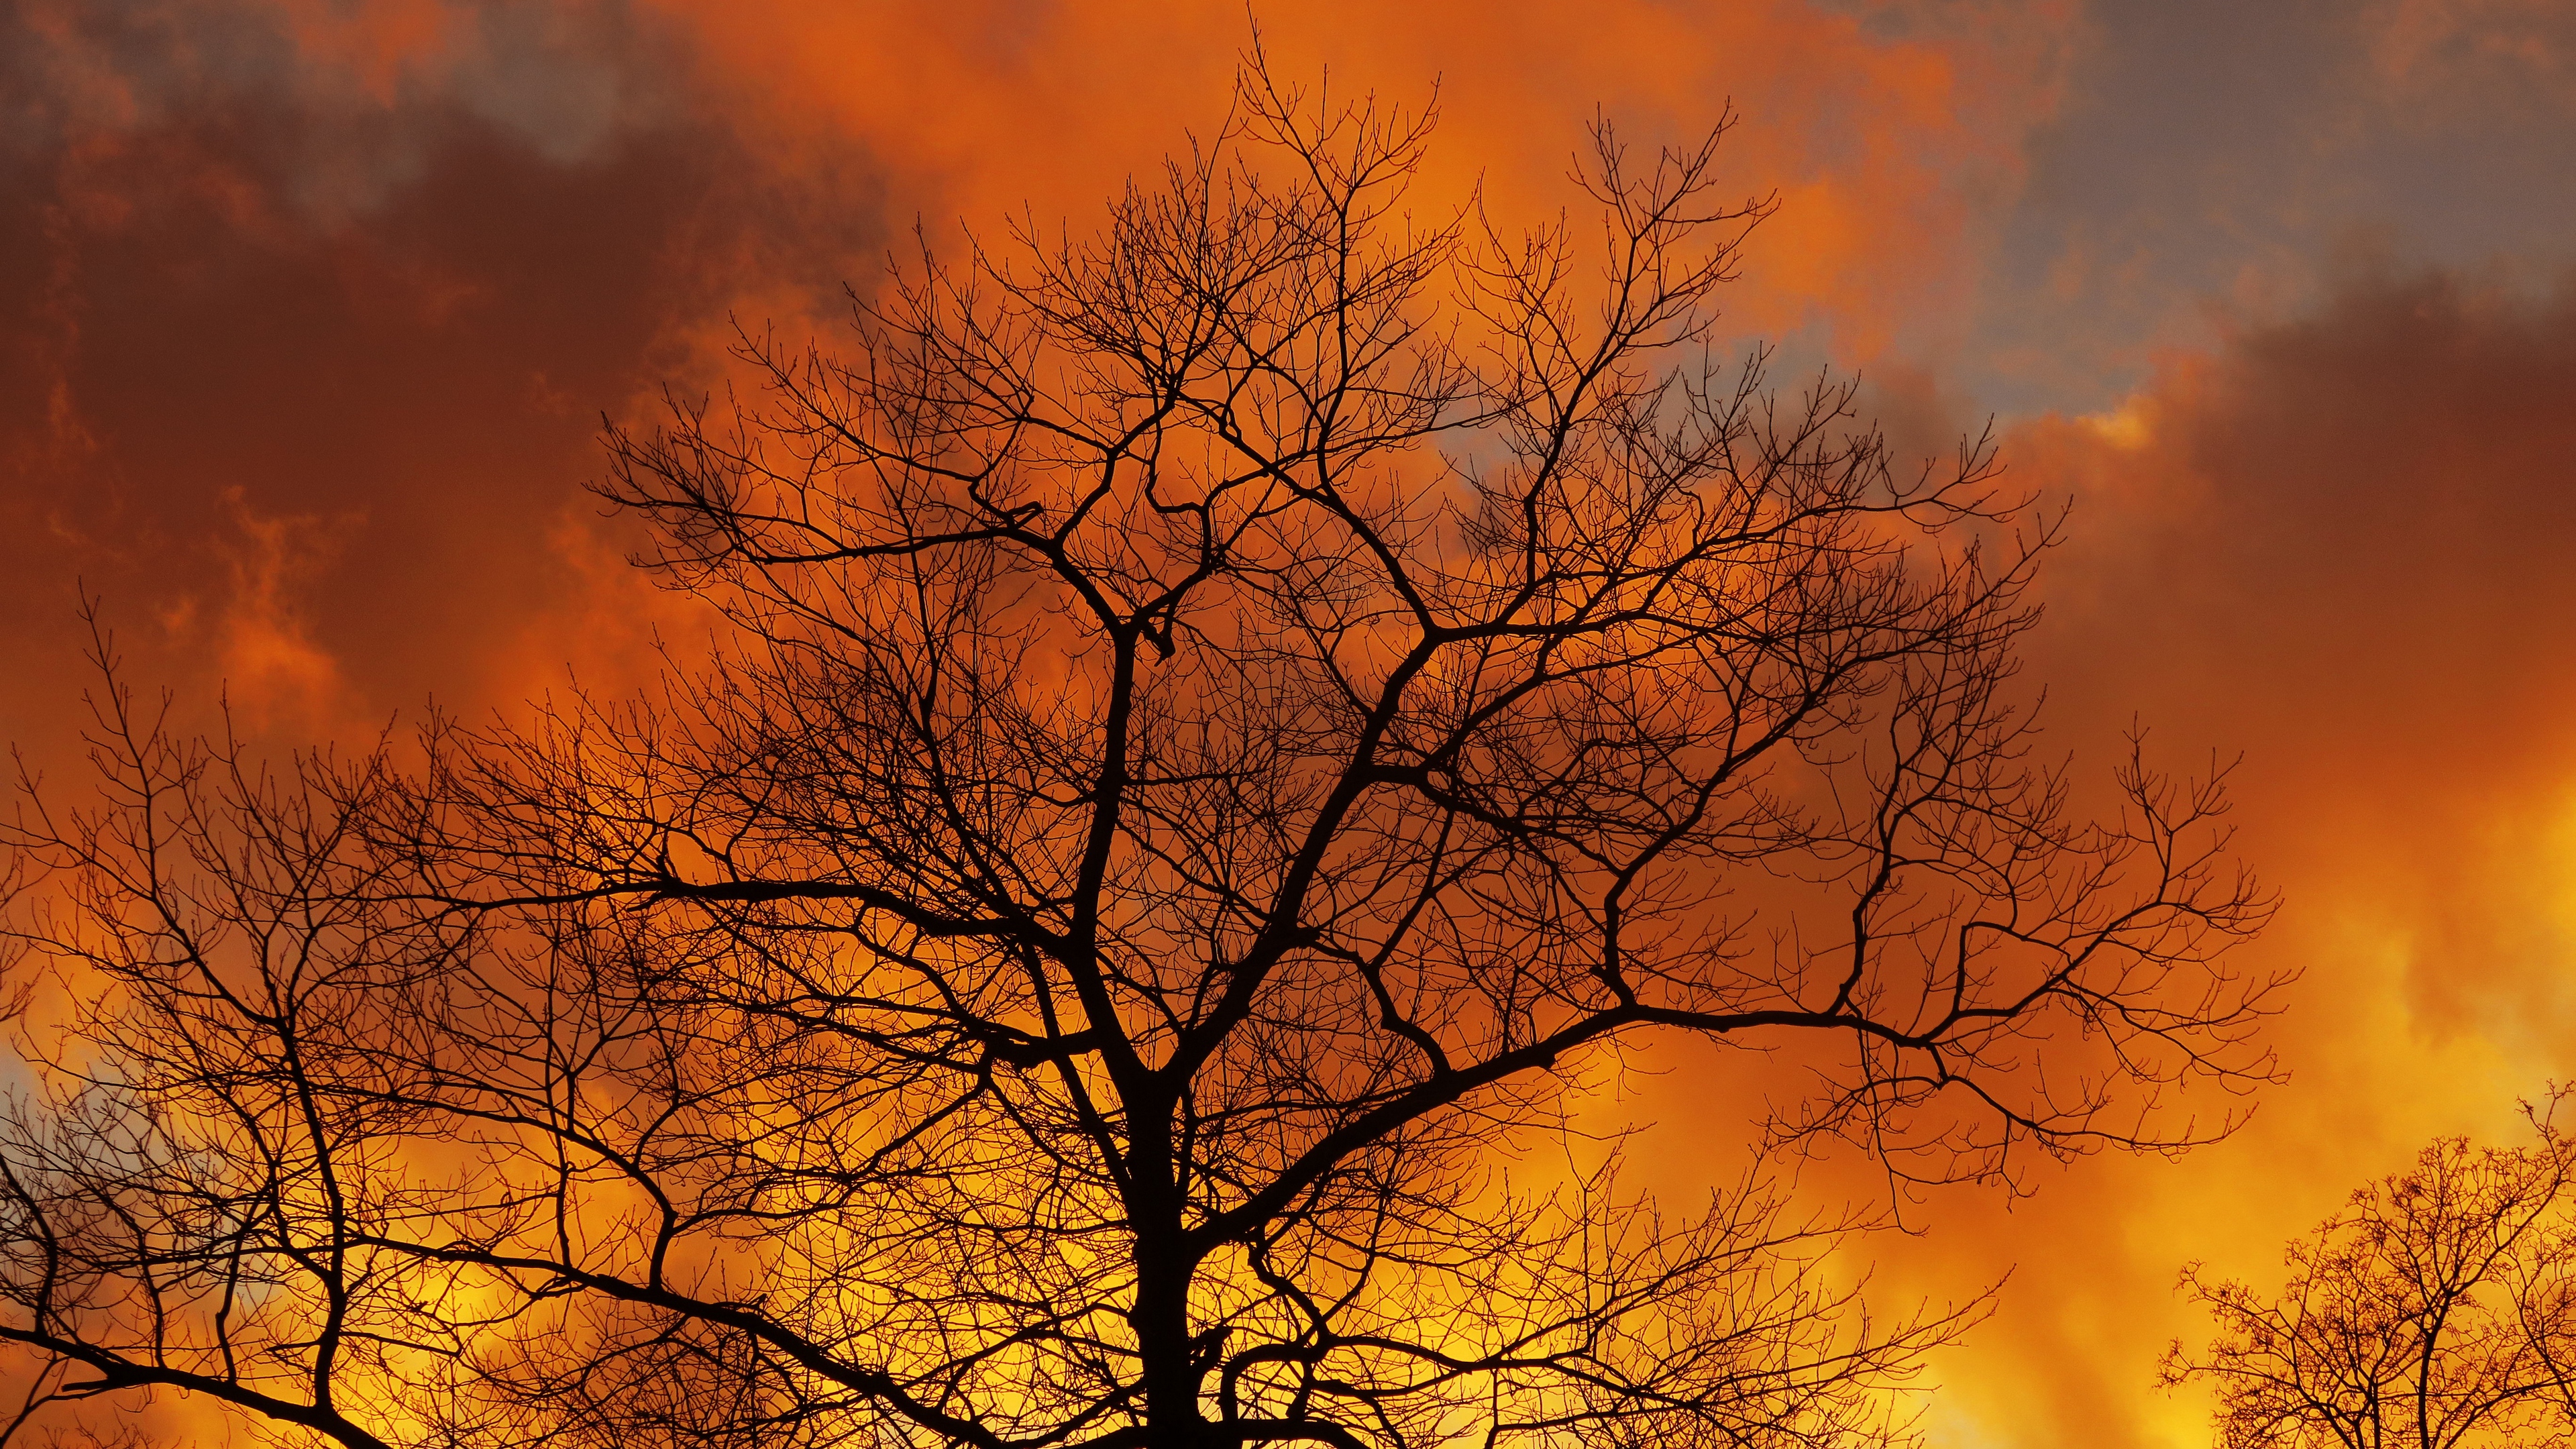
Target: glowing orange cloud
(1875, 131)
(2337, 545)
(388, 263)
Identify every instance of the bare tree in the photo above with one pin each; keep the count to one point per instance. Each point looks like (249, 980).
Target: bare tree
(1233, 730)
(2437, 1310)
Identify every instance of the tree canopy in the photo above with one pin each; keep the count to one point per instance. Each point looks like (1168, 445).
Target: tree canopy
(1225, 734)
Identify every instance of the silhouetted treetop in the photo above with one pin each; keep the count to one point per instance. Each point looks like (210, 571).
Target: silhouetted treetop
(1226, 731)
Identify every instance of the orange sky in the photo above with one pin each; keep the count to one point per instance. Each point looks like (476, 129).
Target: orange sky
(309, 312)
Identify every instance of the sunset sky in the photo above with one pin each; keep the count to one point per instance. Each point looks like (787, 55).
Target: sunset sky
(310, 310)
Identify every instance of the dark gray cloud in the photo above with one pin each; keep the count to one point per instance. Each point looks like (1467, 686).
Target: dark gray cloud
(2215, 155)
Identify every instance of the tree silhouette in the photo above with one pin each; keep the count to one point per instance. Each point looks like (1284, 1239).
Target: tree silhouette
(2437, 1310)
(1230, 732)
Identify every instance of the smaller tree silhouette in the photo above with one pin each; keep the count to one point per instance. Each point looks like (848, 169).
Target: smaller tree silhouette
(2434, 1311)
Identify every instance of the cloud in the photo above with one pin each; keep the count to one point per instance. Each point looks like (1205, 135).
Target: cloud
(2336, 543)
(393, 259)
(2210, 156)
(1885, 126)
(2498, 53)
(387, 264)
(270, 660)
